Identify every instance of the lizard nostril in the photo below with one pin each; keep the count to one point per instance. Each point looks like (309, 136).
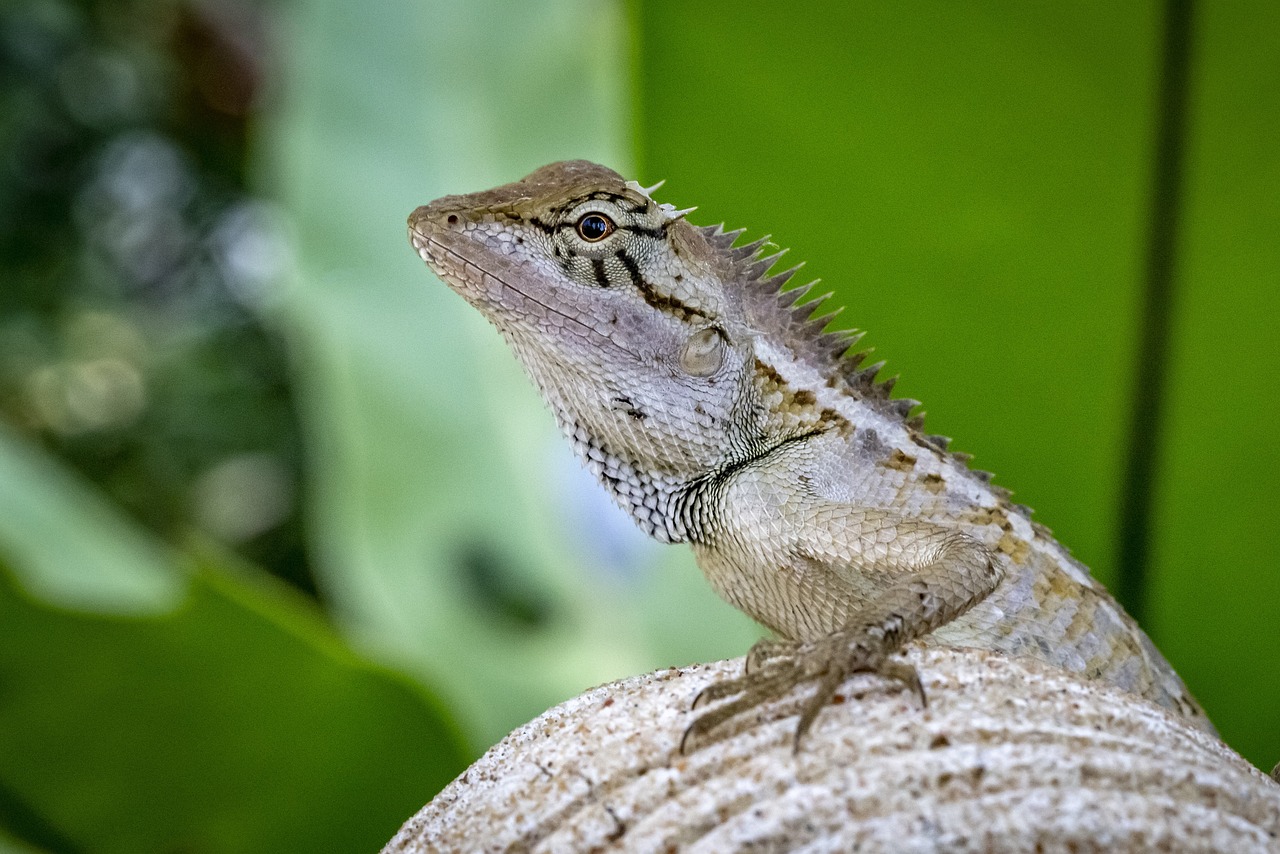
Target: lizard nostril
(453, 219)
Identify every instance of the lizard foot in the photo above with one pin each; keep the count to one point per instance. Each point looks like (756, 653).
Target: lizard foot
(773, 668)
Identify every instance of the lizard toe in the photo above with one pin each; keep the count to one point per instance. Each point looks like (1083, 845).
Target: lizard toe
(766, 650)
(752, 691)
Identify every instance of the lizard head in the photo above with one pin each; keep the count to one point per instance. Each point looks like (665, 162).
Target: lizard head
(643, 332)
(611, 301)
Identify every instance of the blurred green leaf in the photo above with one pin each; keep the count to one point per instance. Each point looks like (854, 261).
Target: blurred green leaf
(973, 182)
(449, 528)
(71, 545)
(236, 723)
(1216, 586)
(9, 845)
(132, 259)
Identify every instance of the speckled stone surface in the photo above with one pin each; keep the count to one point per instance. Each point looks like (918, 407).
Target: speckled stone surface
(1008, 756)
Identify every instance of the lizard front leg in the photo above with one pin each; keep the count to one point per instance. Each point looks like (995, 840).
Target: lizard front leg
(932, 577)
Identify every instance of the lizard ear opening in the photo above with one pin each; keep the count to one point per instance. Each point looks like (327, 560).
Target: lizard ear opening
(703, 352)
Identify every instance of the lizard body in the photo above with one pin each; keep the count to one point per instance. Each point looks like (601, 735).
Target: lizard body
(718, 412)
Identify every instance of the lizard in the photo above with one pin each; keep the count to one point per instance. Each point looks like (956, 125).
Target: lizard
(699, 388)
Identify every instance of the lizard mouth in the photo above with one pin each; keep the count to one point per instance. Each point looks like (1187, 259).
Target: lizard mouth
(445, 252)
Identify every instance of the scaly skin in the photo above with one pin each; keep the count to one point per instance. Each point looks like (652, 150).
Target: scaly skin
(718, 413)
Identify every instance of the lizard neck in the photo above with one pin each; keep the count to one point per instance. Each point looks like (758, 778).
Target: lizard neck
(652, 499)
(672, 508)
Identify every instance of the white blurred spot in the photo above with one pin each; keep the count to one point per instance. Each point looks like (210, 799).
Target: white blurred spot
(80, 396)
(243, 496)
(134, 206)
(251, 247)
(99, 384)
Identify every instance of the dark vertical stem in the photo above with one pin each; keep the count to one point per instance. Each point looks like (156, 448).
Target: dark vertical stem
(1139, 486)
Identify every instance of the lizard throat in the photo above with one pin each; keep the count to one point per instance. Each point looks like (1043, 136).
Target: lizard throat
(669, 508)
(653, 500)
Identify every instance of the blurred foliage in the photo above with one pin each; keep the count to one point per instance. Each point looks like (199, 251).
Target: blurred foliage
(453, 529)
(144, 707)
(202, 251)
(180, 704)
(974, 183)
(237, 722)
(133, 257)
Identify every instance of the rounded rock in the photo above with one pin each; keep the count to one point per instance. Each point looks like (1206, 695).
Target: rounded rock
(1009, 755)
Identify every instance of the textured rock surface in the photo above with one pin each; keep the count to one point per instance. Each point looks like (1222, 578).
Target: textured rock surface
(1009, 756)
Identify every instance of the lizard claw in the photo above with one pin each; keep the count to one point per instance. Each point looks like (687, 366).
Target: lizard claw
(751, 690)
(767, 654)
(719, 690)
(773, 668)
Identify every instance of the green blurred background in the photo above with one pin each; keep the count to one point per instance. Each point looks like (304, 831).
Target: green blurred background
(285, 536)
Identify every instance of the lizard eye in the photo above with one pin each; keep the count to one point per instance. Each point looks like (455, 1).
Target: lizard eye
(594, 227)
(703, 352)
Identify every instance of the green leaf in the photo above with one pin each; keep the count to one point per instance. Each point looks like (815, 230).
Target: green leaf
(1216, 584)
(237, 722)
(71, 545)
(973, 182)
(192, 709)
(447, 521)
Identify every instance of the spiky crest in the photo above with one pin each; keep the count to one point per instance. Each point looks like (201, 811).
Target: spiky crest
(786, 313)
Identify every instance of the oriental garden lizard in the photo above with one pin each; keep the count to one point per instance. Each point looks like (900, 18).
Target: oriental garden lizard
(719, 412)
